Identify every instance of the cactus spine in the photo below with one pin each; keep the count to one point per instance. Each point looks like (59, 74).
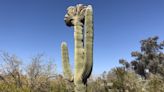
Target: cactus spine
(81, 17)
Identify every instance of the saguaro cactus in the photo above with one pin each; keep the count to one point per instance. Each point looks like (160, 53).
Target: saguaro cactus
(81, 18)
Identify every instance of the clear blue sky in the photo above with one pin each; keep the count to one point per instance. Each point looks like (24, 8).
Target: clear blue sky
(28, 27)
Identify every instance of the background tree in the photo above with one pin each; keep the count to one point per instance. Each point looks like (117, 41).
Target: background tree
(149, 60)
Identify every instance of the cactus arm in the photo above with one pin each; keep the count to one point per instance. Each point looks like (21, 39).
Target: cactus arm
(65, 62)
(88, 60)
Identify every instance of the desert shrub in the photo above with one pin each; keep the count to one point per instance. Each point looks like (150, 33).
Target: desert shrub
(37, 77)
(155, 83)
(125, 81)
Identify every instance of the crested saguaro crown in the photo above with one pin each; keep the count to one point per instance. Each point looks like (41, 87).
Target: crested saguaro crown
(75, 14)
(81, 18)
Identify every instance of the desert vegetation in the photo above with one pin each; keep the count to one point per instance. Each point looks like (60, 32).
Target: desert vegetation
(143, 74)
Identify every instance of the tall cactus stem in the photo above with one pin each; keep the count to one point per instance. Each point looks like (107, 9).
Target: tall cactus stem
(79, 56)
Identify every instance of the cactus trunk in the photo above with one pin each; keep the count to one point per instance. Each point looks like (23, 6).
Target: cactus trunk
(79, 58)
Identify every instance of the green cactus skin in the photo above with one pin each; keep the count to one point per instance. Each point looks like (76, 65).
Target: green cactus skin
(79, 55)
(88, 61)
(65, 61)
(81, 17)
